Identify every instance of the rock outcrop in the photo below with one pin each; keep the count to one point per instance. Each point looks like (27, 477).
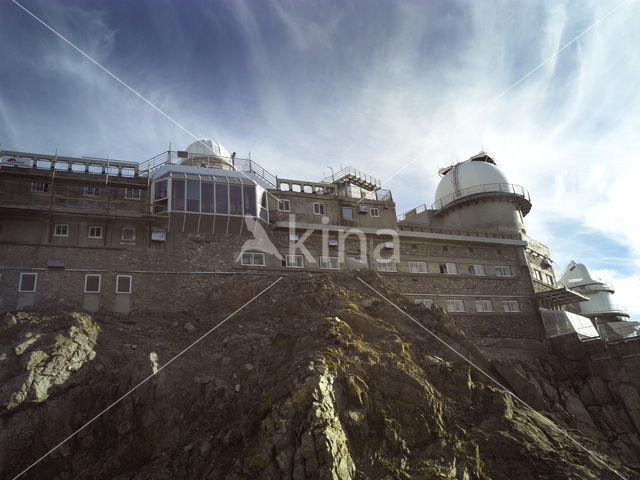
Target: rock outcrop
(319, 379)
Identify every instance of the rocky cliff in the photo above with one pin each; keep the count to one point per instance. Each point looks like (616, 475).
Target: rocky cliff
(317, 378)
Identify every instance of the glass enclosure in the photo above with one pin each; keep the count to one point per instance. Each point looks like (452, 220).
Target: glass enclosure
(210, 194)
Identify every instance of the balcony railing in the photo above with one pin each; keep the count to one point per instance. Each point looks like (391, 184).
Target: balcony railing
(480, 189)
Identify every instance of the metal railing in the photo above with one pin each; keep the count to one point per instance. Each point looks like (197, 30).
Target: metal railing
(248, 165)
(588, 308)
(238, 164)
(355, 174)
(598, 286)
(96, 166)
(480, 189)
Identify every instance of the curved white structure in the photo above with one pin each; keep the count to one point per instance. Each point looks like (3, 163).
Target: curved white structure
(208, 148)
(600, 293)
(464, 179)
(208, 153)
(477, 194)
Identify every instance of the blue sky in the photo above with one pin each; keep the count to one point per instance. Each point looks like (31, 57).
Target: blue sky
(378, 85)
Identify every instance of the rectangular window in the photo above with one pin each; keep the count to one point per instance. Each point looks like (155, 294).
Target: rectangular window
(294, 237)
(39, 187)
(417, 267)
(123, 283)
(511, 306)
(503, 271)
(222, 198)
(193, 195)
(92, 191)
(92, 283)
(177, 195)
(235, 199)
(249, 193)
(333, 242)
(537, 275)
(28, 282)
(374, 212)
(132, 193)
(386, 266)
(484, 306)
(160, 190)
(330, 263)
(476, 270)
(347, 212)
(95, 232)
(454, 306)
(128, 234)
(448, 268)
(61, 230)
(295, 261)
(318, 208)
(548, 278)
(256, 259)
(207, 197)
(284, 205)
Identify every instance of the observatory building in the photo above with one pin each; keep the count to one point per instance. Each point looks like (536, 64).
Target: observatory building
(116, 236)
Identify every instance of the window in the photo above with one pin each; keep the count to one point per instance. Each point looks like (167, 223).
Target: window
(330, 263)
(427, 302)
(294, 237)
(284, 205)
(445, 249)
(39, 187)
(123, 283)
(95, 232)
(448, 268)
(347, 212)
(511, 306)
(417, 267)
(193, 195)
(386, 266)
(222, 198)
(333, 242)
(537, 274)
(503, 271)
(207, 197)
(318, 208)
(92, 283)
(92, 191)
(28, 282)
(128, 234)
(160, 190)
(177, 195)
(294, 261)
(548, 278)
(235, 199)
(454, 306)
(476, 270)
(249, 258)
(61, 230)
(484, 306)
(249, 200)
(132, 193)
(374, 212)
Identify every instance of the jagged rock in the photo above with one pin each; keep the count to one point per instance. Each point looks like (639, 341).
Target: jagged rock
(189, 327)
(631, 399)
(371, 396)
(51, 366)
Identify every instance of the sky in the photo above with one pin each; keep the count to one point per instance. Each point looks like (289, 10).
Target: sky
(394, 88)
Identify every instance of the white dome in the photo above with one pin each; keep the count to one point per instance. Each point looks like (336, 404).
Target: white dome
(208, 148)
(461, 179)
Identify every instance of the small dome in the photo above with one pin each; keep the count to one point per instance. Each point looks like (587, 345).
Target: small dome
(208, 148)
(462, 178)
